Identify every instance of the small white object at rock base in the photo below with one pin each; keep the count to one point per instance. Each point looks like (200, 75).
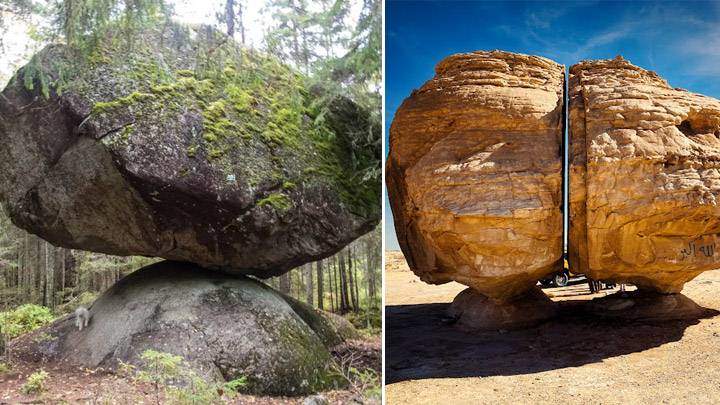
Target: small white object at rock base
(316, 400)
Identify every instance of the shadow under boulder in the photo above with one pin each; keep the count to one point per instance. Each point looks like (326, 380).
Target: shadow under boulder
(647, 306)
(225, 326)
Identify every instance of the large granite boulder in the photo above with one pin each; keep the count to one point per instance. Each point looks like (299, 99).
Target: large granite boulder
(225, 327)
(474, 173)
(644, 179)
(182, 145)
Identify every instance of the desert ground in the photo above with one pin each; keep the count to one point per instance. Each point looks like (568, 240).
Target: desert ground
(575, 358)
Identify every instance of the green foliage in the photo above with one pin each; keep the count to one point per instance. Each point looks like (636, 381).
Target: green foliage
(363, 381)
(130, 99)
(279, 201)
(91, 265)
(159, 368)
(35, 383)
(236, 385)
(33, 74)
(240, 98)
(196, 391)
(290, 37)
(245, 98)
(366, 317)
(169, 374)
(84, 22)
(24, 319)
(369, 380)
(4, 368)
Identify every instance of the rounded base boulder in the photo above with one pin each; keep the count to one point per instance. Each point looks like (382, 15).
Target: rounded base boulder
(647, 306)
(474, 311)
(224, 326)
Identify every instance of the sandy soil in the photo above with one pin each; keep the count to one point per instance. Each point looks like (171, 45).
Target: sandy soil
(74, 386)
(575, 358)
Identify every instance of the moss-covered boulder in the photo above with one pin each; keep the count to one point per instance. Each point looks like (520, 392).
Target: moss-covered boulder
(332, 329)
(225, 326)
(179, 144)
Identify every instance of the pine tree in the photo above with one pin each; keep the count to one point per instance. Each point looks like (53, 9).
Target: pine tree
(290, 37)
(232, 17)
(320, 287)
(309, 286)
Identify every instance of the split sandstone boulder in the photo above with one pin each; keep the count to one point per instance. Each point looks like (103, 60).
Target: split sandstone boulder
(644, 179)
(474, 176)
(474, 173)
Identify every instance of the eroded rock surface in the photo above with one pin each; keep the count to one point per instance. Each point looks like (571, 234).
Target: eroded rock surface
(474, 172)
(644, 179)
(473, 311)
(189, 148)
(225, 326)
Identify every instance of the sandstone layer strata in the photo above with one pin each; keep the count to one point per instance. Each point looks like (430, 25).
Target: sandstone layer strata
(644, 179)
(474, 173)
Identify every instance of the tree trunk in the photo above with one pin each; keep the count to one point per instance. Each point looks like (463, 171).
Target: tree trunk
(333, 290)
(320, 292)
(240, 22)
(309, 287)
(49, 296)
(63, 268)
(357, 287)
(351, 282)
(296, 46)
(230, 17)
(370, 270)
(69, 20)
(344, 297)
(285, 283)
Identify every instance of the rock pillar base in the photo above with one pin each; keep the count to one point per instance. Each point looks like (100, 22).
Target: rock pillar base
(647, 306)
(225, 327)
(474, 311)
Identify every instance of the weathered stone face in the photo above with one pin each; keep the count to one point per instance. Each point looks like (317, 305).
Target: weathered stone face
(644, 178)
(224, 326)
(474, 172)
(186, 147)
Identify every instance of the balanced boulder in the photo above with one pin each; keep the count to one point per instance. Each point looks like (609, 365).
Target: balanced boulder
(474, 174)
(180, 144)
(644, 177)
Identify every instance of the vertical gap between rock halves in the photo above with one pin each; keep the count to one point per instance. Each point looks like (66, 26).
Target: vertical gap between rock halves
(565, 165)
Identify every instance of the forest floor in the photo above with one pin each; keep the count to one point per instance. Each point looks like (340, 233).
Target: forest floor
(570, 359)
(76, 386)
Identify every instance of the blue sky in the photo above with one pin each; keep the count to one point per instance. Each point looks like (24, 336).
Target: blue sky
(678, 40)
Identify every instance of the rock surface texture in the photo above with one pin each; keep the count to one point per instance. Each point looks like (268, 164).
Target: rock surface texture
(473, 311)
(644, 179)
(189, 148)
(225, 326)
(474, 172)
(647, 306)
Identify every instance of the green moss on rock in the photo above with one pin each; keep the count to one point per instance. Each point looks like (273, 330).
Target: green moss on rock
(248, 101)
(279, 201)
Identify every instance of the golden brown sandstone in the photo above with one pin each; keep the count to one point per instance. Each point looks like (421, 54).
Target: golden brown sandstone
(644, 180)
(473, 311)
(474, 173)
